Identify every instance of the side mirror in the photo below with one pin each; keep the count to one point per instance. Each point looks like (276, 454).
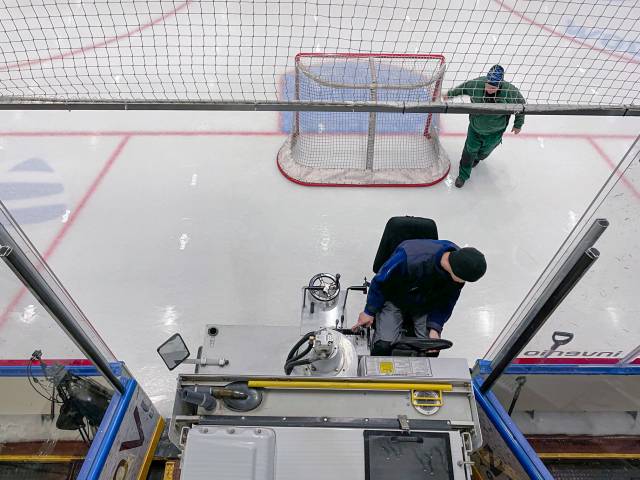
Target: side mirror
(174, 351)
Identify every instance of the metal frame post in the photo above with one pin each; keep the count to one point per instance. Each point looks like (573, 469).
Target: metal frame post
(371, 133)
(630, 357)
(568, 277)
(296, 123)
(588, 239)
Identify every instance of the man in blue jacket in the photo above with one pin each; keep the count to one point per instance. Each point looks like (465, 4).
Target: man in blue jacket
(422, 280)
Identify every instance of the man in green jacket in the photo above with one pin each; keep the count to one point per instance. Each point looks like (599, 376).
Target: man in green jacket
(485, 131)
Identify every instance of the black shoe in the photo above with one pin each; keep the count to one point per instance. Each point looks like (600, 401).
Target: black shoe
(475, 163)
(460, 182)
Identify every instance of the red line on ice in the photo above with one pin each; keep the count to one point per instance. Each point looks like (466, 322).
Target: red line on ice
(94, 46)
(150, 133)
(66, 226)
(613, 166)
(269, 133)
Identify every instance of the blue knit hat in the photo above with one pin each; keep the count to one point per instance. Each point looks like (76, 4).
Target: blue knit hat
(495, 75)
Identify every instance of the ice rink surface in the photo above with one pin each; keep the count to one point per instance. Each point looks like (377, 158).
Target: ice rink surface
(167, 230)
(162, 222)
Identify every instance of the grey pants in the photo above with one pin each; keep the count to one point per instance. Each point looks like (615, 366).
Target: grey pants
(389, 324)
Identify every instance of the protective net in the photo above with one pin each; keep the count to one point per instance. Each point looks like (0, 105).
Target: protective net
(234, 53)
(374, 148)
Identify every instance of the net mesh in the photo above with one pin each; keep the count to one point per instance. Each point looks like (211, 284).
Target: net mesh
(563, 52)
(365, 147)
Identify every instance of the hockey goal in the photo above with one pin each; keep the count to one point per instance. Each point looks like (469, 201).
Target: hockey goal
(364, 148)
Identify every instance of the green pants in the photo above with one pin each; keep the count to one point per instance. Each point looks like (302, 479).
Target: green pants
(477, 147)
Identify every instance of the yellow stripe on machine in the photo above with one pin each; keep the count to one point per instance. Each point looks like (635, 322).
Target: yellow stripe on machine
(416, 400)
(589, 456)
(169, 470)
(40, 458)
(142, 474)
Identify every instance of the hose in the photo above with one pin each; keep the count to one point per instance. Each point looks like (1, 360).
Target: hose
(299, 343)
(288, 367)
(294, 356)
(301, 355)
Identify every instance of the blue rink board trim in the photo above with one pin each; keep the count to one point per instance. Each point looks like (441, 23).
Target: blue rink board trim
(509, 432)
(568, 369)
(109, 427)
(80, 370)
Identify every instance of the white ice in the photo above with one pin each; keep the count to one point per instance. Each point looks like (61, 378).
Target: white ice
(152, 253)
(178, 219)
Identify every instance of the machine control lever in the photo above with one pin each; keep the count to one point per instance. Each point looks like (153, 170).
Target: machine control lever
(404, 423)
(356, 288)
(318, 288)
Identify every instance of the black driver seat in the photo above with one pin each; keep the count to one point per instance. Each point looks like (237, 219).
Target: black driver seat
(396, 231)
(399, 229)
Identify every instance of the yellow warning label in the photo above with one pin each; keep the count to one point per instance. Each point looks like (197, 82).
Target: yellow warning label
(386, 368)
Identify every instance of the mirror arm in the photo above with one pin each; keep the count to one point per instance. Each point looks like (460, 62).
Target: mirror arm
(220, 362)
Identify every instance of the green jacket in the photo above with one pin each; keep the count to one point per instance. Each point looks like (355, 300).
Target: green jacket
(485, 124)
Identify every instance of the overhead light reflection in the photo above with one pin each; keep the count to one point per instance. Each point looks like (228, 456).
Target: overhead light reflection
(614, 315)
(485, 319)
(169, 317)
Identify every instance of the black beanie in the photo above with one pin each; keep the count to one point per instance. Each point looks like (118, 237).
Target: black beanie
(468, 264)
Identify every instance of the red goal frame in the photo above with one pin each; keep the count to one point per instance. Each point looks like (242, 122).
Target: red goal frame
(427, 56)
(427, 128)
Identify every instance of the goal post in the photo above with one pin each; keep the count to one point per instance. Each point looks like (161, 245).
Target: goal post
(365, 148)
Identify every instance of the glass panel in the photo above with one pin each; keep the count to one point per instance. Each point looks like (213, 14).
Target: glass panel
(15, 298)
(52, 398)
(586, 420)
(597, 322)
(632, 358)
(580, 412)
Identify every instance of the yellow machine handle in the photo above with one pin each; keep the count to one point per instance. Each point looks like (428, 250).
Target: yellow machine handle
(418, 401)
(414, 388)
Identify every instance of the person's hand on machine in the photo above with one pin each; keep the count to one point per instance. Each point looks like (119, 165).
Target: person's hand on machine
(364, 321)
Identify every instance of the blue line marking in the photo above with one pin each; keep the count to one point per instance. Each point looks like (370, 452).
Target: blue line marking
(23, 190)
(602, 38)
(39, 214)
(36, 190)
(32, 165)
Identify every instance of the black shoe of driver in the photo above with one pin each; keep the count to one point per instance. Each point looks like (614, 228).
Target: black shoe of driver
(460, 182)
(475, 163)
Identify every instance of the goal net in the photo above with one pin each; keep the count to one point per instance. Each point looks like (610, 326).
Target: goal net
(364, 148)
(570, 56)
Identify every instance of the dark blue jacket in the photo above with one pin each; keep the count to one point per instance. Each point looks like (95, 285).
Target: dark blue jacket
(413, 280)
